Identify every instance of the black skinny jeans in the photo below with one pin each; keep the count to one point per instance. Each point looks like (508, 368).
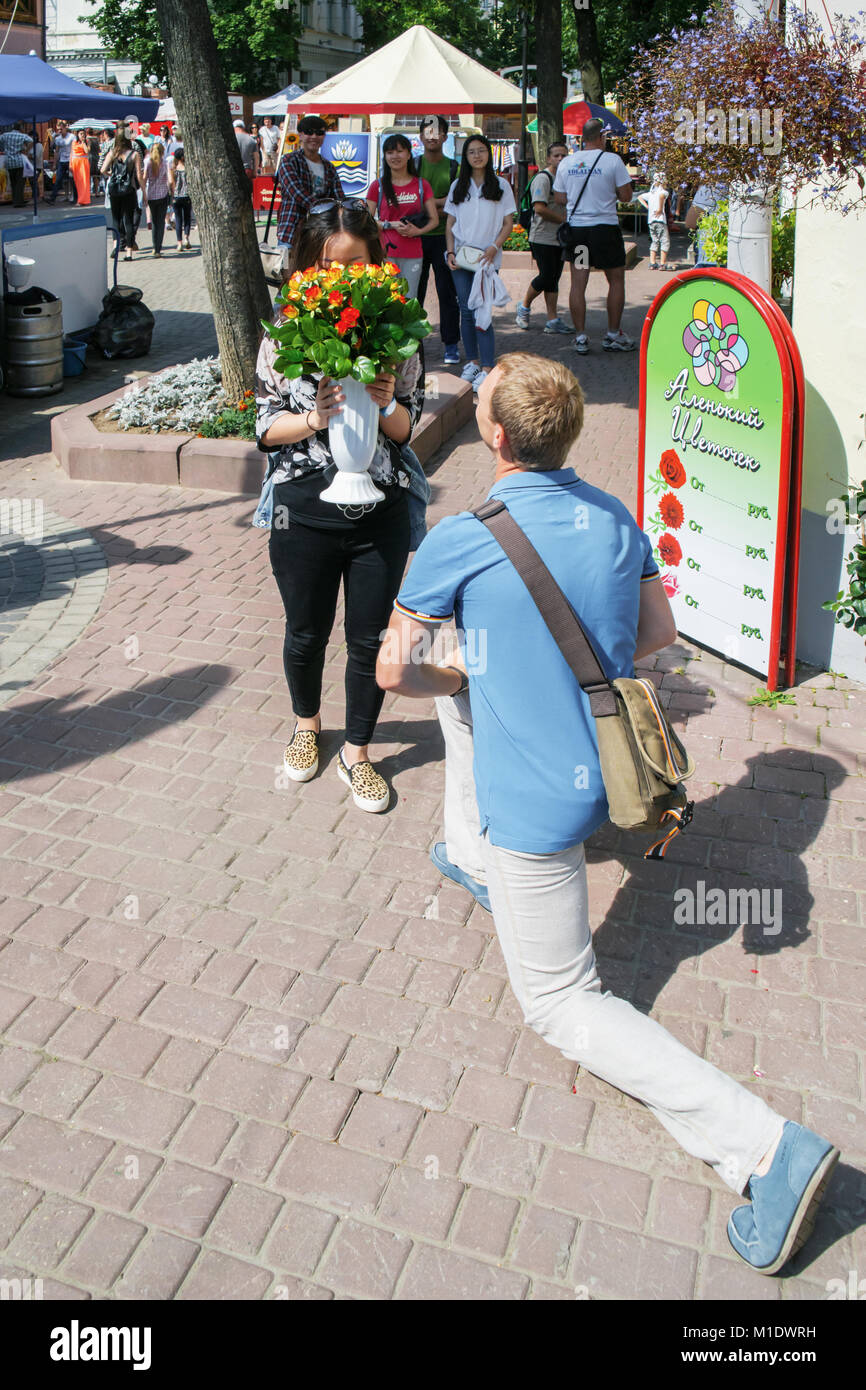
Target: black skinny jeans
(309, 564)
(158, 209)
(182, 217)
(123, 212)
(433, 249)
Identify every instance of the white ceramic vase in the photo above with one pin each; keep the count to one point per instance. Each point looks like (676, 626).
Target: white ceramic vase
(352, 436)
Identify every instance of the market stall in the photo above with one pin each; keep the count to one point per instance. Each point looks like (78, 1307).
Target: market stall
(68, 254)
(416, 74)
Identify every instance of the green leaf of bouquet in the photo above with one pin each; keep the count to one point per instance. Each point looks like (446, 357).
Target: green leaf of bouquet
(419, 328)
(407, 350)
(364, 370)
(292, 372)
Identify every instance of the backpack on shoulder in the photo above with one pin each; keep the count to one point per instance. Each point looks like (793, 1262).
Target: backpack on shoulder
(121, 180)
(643, 762)
(526, 214)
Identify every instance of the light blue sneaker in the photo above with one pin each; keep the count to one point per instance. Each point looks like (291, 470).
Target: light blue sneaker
(443, 864)
(784, 1202)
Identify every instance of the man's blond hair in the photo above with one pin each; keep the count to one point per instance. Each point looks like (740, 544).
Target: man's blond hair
(539, 404)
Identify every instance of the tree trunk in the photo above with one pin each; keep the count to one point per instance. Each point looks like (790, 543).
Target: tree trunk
(590, 54)
(219, 188)
(548, 60)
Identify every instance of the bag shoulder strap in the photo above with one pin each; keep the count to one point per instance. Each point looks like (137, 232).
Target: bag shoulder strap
(585, 184)
(554, 607)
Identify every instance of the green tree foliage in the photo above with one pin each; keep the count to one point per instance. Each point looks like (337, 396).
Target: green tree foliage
(257, 40)
(461, 24)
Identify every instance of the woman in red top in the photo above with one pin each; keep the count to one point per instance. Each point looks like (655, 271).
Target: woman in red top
(404, 207)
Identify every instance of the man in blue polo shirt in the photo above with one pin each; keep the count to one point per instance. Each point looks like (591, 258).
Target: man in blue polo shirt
(523, 785)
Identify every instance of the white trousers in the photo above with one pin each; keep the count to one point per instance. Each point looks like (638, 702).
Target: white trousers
(540, 910)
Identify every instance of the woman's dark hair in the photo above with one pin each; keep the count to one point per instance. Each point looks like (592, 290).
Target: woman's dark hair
(491, 187)
(318, 229)
(178, 154)
(386, 183)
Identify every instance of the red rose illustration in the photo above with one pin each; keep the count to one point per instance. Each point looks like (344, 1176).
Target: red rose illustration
(669, 549)
(670, 584)
(671, 469)
(671, 511)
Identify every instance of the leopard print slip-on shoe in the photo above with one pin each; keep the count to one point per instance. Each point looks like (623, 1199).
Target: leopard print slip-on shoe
(301, 758)
(370, 792)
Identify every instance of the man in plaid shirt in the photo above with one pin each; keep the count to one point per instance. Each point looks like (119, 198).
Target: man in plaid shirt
(15, 144)
(304, 179)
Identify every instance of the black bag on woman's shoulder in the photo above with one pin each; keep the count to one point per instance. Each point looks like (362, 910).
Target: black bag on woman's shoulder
(569, 236)
(122, 179)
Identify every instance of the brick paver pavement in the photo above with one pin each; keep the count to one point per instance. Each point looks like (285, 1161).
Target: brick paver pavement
(255, 1047)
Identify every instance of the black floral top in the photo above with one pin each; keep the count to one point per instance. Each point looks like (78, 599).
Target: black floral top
(308, 465)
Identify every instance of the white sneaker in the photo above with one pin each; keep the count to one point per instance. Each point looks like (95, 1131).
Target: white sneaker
(482, 376)
(557, 326)
(581, 343)
(470, 371)
(618, 342)
(521, 318)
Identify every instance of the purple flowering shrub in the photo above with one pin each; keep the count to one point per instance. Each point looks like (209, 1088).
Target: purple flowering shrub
(756, 107)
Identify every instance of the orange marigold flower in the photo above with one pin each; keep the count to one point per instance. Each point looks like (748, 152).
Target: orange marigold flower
(390, 268)
(312, 293)
(671, 511)
(242, 405)
(335, 297)
(290, 311)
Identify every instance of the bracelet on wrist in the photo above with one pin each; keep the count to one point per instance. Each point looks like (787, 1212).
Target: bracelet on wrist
(307, 422)
(464, 679)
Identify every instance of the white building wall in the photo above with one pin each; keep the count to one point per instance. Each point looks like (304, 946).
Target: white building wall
(829, 311)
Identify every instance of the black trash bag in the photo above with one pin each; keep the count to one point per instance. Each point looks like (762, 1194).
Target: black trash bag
(125, 326)
(25, 299)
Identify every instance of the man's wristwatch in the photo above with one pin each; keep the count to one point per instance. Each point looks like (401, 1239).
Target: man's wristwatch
(464, 679)
(386, 410)
(386, 226)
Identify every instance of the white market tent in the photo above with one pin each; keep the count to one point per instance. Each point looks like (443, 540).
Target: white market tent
(276, 105)
(415, 74)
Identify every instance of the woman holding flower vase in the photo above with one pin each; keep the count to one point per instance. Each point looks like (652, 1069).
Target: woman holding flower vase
(317, 545)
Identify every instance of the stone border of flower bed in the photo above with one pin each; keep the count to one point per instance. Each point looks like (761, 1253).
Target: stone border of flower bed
(222, 465)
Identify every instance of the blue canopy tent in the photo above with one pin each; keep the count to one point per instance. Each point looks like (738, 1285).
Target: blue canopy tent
(31, 90)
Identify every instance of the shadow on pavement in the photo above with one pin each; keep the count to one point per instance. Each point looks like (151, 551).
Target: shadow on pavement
(34, 732)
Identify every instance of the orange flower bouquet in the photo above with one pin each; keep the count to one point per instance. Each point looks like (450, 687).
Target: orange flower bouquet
(347, 321)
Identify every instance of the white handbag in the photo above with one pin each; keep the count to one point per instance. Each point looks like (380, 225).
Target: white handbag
(469, 257)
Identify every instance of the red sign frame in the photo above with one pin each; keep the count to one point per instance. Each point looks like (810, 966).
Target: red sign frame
(787, 559)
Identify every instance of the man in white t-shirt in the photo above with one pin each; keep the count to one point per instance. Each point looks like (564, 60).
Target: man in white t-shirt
(270, 137)
(63, 142)
(657, 222)
(588, 185)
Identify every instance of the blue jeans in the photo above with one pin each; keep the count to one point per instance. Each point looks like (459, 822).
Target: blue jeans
(475, 340)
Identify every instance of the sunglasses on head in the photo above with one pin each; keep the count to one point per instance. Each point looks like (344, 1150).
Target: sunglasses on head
(350, 204)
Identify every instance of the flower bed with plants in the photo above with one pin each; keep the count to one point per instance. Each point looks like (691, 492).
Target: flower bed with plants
(188, 399)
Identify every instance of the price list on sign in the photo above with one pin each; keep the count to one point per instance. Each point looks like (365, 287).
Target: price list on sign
(716, 485)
